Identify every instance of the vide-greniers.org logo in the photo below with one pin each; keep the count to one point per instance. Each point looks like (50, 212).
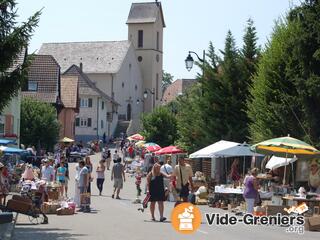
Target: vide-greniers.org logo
(294, 223)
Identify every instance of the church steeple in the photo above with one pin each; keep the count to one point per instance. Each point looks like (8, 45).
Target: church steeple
(145, 31)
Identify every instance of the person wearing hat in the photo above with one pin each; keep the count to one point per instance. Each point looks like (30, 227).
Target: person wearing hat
(47, 171)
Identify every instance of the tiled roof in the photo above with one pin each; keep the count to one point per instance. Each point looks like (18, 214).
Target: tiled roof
(18, 61)
(186, 83)
(43, 97)
(45, 71)
(145, 13)
(96, 57)
(88, 91)
(177, 88)
(69, 91)
(86, 85)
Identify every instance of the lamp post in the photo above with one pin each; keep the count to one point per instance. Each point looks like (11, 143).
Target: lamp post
(189, 61)
(140, 100)
(145, 95)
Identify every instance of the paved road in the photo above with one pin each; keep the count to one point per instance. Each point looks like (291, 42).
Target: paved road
(119, 219)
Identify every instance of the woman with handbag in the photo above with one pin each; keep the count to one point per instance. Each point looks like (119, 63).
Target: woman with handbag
(155, 188)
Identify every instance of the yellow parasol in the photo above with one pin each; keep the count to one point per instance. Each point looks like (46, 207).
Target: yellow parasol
(287, 147)
(140, 144)
(66, 140)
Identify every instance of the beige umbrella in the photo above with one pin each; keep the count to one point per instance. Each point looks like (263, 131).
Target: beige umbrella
(66, 140)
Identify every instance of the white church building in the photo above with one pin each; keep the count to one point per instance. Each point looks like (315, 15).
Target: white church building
(128, 71)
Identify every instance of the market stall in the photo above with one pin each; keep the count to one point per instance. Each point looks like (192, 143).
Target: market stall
(229, 160)
(287, 151)
(28, 194)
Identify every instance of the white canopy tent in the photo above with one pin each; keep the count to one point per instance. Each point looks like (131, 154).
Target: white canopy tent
(209, 151)
(276, 162)
(224, 149)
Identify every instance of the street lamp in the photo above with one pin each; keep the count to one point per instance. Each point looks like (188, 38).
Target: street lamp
(139, 100)
(145, 93)
(189, 61)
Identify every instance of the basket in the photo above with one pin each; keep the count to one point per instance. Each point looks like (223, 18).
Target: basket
(53, 195)
(65, 211)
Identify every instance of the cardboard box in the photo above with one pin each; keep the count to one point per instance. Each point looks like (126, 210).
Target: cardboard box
(312, 223)
(274, 210)
(231, 206)
(200, 201)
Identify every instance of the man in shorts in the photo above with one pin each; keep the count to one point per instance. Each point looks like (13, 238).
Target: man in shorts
(118, 176)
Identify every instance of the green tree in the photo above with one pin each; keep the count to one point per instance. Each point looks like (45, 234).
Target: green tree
(286, 89)
(269, 114)
(159, 126)
(250, 51)
(13, 41)
(39, 124)
(234, 93)
(189, 119)
(167, 79)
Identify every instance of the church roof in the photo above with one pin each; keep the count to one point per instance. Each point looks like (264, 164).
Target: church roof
(96, 57)
(145, 13)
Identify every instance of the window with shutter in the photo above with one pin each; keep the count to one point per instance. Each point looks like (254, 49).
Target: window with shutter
(89, 122)
(90, 102)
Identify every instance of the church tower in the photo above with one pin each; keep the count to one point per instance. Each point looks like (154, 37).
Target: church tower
(145, 31)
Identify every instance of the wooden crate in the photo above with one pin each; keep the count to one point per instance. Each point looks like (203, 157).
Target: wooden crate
(19, 206)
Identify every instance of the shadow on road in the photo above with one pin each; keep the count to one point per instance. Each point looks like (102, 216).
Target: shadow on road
(44, 233)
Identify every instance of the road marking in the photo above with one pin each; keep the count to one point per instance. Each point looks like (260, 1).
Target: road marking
(202, 232)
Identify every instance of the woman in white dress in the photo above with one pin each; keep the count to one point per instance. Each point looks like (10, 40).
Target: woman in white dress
(77, 190)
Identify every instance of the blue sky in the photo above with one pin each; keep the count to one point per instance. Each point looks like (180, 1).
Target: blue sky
(190, 24)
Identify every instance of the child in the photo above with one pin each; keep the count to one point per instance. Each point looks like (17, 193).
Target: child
(138, 183)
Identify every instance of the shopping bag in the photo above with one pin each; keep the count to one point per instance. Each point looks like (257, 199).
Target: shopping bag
(85, 199)
(146, 200)
(145, 203)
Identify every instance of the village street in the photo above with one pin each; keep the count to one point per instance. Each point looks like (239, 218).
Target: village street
(120, 219)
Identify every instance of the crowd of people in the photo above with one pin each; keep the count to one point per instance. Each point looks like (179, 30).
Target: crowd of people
(161, 178)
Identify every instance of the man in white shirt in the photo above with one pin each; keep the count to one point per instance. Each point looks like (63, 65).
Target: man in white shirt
(115, 156)
(166, 168)
(47, 171)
